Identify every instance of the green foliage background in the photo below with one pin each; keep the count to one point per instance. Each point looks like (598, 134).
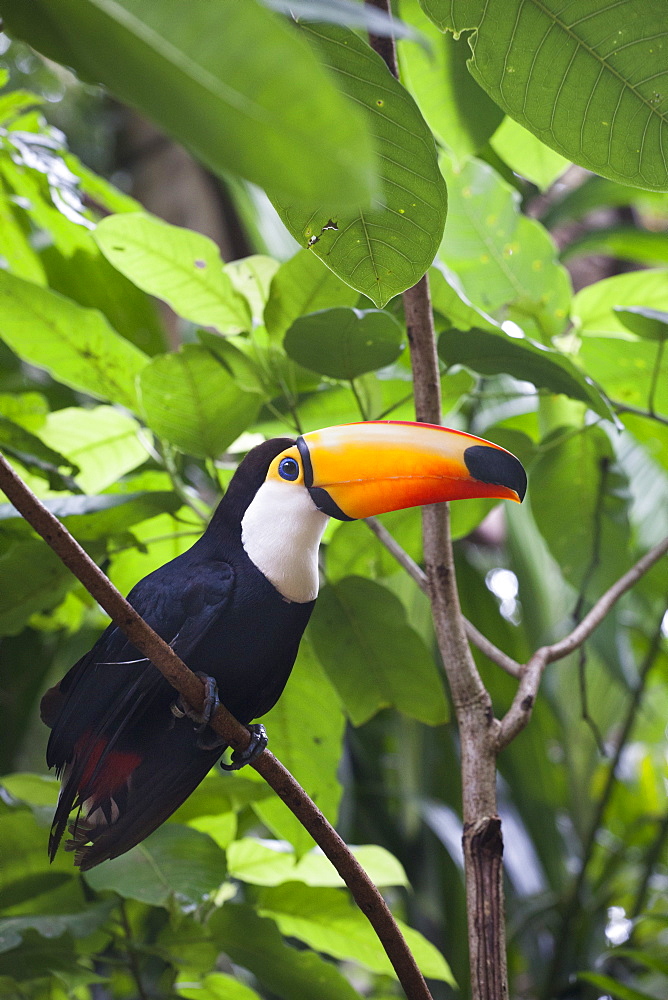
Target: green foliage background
(131, 443)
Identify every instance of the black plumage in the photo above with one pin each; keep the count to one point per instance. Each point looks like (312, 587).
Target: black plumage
(127, 762)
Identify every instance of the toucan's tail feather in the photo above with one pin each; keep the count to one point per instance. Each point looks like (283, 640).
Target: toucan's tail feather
(122, 794)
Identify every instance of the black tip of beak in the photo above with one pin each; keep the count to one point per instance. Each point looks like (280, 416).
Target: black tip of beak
(499, 468)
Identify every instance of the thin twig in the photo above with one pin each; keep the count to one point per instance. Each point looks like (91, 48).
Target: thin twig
(519, 713)
(638, 412)
(485, 646)
(237, 736)
(572, 904)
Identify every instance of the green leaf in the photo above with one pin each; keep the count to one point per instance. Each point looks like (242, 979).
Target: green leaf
(354, 550)
(303, 285)
(218, 986)
(496, 353)
(54, 925)
(328, 921)
(583, 80)
(32, 578)
(75, 345)
(98, 516)
(37, 957)
(35, 455)
(623, 242)
(267, 863)
(456, 109)
(160, 539)
(200, 72)
(178, 265)
(594, 308)
(617, 990)
(361, 636)
(526, 155)
(345, 343)
(252, 278)
(36, 789)
(174, 865)
(104, 443)
(379, 251)
(650, 324)
(451, 301)
(193, 401)
(631, 372)
(255, 943)
(306, 730)
(576, 471)
(502, 258)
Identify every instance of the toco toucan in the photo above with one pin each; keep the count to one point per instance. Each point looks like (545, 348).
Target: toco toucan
(234, 607)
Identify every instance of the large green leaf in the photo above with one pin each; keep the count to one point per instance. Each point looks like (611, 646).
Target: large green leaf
(97, 516)
(594, 307)
(306, 730)
(32, 578)
(579, 499)
(192, 400)
(201, 71)
(303, 285)
(76, 345)
(584, 78)
(456, 109)
(634, 372)
(328, 921)
(624, 242)
(383, 250)
(159, 539)
(53, 925)
(267, 863)
(218, 986)
(526, 155)
(178, 265)
(650, 324)
(255, 943)
(345, 343)
(503, 259)
(372, 655)
(174, 865)
(494, 353)
(104, 443)
(36, 456)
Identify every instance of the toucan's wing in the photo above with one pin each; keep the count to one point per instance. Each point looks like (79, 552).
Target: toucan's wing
(112, 734)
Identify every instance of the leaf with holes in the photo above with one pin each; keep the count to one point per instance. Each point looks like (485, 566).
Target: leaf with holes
(587, 78)
(386, 249)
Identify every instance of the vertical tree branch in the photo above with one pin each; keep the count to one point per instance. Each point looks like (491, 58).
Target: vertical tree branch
(482, 841)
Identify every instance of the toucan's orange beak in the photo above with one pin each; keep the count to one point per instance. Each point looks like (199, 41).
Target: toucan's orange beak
(356, 470)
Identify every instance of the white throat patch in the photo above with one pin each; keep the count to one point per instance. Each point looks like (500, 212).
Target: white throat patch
(281, 532)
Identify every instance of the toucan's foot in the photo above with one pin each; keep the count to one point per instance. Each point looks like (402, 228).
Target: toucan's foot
(181, 708)
(258, 742)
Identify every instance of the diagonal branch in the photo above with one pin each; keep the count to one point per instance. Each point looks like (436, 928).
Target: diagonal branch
(187, 684)
(519, 713)
(484, 644)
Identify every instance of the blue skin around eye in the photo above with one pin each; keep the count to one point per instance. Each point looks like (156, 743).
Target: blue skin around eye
(288, 469)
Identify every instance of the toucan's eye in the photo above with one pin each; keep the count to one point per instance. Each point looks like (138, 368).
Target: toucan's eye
(288, 469)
